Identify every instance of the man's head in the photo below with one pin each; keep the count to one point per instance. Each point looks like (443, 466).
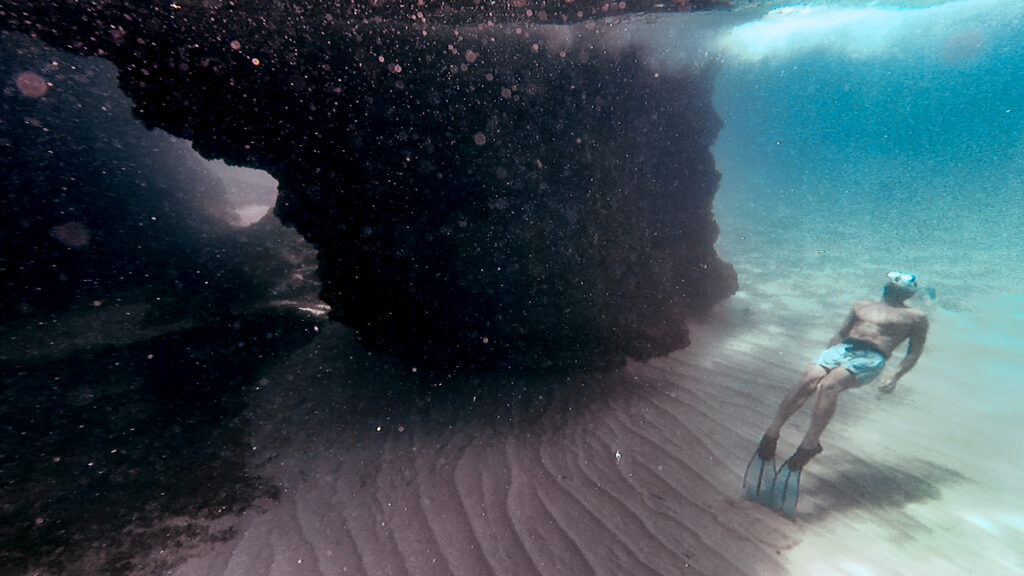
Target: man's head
(900, 286)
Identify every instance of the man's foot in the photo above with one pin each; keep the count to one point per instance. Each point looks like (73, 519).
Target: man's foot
(766, 448)
(760, 474)
(786, 488)
(802, 456)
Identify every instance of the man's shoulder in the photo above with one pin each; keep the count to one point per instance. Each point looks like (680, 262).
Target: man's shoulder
(912, 312)
(914, 316)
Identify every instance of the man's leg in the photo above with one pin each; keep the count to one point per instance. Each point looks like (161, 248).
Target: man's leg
(829, 389)
(786, 488)
(796, 397)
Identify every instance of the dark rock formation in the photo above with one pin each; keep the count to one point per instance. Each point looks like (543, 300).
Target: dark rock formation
(478, 194)
(98, 210)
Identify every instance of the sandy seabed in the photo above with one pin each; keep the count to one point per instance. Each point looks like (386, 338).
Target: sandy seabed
(638, 471)
(370, 468)
(366, 467)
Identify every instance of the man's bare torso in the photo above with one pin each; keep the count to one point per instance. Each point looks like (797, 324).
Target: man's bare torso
(882, 325)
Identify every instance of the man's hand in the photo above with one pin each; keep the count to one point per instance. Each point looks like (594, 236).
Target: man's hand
(887, 387)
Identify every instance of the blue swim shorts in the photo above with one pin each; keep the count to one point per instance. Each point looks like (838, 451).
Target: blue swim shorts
(861, 360)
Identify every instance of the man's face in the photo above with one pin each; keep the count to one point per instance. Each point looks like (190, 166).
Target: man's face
(897, 293)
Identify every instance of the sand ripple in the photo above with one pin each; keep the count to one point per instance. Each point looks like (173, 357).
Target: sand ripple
(625, 472)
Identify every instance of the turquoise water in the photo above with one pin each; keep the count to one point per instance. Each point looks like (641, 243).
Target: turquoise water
(857, 139)
(863, 139)
(894, 139)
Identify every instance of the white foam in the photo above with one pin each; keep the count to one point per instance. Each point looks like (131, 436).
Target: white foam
(863, 32)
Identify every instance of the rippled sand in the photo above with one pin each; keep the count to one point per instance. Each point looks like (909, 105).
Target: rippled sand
(635, 471)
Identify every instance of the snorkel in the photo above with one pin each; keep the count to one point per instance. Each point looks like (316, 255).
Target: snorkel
(900, 287)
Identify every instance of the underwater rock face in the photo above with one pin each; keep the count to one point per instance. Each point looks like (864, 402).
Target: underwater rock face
(93, 203)
(478, 195)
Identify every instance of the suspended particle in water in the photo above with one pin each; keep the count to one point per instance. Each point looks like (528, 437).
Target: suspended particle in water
(236, 45)
(480, 138)
(31, 85)
(72, 234)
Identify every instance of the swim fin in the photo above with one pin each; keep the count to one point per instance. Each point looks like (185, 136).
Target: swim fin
(786, 488)
(760, 475)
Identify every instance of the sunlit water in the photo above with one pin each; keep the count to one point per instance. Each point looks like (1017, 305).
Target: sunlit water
(856, 140)
(859, 140)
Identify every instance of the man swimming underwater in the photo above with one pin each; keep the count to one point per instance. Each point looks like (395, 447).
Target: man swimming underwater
(855, 356)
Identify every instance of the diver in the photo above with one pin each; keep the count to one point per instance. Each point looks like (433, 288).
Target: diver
(855, 356)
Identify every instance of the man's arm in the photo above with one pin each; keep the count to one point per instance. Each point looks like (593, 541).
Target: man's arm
(918, 335)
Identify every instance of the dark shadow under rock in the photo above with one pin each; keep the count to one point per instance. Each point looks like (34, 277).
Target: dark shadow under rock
(110, 453)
